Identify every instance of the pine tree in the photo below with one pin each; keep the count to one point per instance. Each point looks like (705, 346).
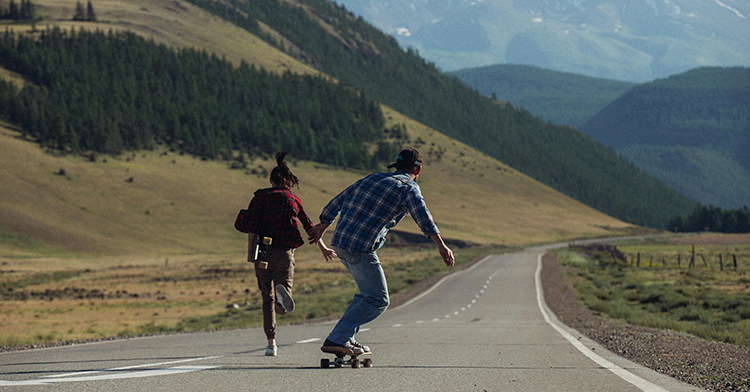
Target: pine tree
(80, 12)
(90, 14)
(13, 12)
(28, 11)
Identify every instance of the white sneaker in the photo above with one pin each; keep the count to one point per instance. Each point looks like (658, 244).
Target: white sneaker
(283, 297)
(364, 348)
(271, 351)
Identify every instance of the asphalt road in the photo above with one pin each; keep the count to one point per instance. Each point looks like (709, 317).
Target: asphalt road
(483, 328)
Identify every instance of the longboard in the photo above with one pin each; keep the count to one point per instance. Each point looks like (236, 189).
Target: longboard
(341, 353)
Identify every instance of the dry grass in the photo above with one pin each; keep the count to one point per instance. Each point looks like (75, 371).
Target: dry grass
(132, 296)
(173, 23)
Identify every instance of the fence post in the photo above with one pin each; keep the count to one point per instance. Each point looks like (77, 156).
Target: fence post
(639, 260)
(735, 261)
(692, 259)
(705, 263)
(721, 262)
(679, 262)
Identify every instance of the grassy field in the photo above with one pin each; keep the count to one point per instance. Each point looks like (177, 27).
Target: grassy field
(710, 300)
(99, 246)
(181, 294)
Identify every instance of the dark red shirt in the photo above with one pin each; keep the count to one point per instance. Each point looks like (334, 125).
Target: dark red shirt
(273, 212)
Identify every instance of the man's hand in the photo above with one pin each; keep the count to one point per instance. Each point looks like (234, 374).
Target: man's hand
(445, 252)
(316, 233)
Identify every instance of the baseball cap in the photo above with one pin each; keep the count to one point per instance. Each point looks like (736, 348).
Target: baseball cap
(406, 158)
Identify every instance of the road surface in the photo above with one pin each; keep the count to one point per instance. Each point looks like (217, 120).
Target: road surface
(483, 328)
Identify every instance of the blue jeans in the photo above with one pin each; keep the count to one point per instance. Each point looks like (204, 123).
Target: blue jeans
(372, 299)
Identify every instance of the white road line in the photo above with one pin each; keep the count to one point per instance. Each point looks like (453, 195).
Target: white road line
(128, 367)
(115, 376)
(640, 383)
(309, 340)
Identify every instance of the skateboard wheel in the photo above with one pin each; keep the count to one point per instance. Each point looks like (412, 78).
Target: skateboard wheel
(325, 363)
(355, 363)
(367, 362)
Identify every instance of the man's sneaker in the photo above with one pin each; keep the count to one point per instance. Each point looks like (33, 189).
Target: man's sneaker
(346, 348)
(271, 351)
(283, 297)
(364, 348)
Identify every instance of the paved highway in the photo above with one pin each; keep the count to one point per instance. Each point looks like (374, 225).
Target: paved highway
(483, 328)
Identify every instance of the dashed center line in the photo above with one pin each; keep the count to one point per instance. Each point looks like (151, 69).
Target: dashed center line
(419, 322)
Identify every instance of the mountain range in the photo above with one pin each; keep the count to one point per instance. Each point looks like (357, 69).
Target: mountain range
(626, 40)
(690, 130)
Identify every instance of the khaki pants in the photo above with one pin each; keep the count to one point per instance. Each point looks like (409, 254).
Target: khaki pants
(280, 271)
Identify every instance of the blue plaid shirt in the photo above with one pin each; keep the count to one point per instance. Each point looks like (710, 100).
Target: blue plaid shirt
(372, 206)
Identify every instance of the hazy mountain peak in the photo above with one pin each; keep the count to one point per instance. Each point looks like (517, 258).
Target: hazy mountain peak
(633, 40)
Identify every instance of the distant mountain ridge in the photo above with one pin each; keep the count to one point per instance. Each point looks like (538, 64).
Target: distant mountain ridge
(628, 40)
(558, 97)
(690, 130)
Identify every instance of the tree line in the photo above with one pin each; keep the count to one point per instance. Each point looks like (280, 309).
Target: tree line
(715, 219)
(108, 93)
(25, 12)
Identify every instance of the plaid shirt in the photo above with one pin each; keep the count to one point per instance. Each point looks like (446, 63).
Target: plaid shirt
(372, 206)
(272, 213)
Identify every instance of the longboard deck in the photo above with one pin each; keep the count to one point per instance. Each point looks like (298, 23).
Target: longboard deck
(341, 353)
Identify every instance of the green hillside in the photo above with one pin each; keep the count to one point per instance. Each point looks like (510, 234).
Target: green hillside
(333, 40)
(689, 131)
(108, 93)
(558, 97)
(710, 176)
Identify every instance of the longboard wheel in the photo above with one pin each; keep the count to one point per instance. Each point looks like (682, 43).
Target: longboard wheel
(325, 363)
(355, 363)
(367, 362)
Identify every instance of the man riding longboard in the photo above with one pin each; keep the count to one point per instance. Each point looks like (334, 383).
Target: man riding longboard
(368, 209)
